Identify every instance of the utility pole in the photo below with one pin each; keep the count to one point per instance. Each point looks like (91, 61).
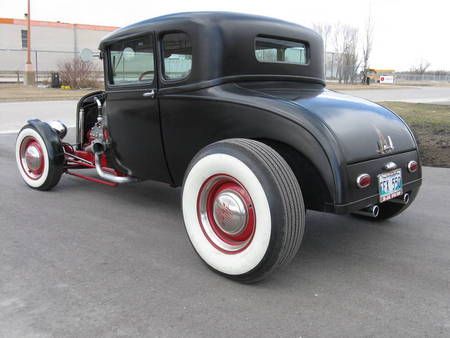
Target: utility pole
(29, 74)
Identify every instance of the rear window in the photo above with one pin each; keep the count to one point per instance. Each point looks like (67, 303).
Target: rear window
(280, 51)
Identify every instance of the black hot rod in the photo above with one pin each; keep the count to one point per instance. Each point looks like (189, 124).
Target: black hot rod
(234, 109)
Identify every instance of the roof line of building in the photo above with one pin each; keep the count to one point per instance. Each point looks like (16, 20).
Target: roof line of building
(37, 23)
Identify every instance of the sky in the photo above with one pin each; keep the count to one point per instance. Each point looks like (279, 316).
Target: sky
(405, 31)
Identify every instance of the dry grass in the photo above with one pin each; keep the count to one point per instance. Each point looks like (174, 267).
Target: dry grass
(16, 92)
(421, 113)
(431, 125)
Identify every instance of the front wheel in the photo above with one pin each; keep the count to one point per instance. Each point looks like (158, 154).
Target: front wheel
(36, 160)
(243, 209)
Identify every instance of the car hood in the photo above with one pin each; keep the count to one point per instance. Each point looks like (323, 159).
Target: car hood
(362, 128)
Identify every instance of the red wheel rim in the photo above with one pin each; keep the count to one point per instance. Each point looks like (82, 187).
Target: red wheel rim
(32, 158)
(226, 213)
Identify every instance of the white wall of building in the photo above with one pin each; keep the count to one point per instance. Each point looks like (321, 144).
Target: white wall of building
(50, 45)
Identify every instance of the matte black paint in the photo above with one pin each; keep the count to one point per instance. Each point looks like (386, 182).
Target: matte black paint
(223, 46)
(328, 138)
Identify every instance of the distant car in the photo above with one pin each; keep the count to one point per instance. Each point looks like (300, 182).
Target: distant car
(234, 109)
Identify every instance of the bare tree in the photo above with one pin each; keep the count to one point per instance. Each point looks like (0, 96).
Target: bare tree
(367, 47)
(324, 29)
(78, 74)
(345, 44)
(421, 68)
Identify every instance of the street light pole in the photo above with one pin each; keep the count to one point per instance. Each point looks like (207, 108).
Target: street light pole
(29, 75)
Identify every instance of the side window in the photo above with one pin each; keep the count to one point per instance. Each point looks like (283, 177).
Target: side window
(177, 53)
(132, 61)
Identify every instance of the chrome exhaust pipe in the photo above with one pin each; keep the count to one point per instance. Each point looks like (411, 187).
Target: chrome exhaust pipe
(401, 200)
(110, 177)
(370, 211)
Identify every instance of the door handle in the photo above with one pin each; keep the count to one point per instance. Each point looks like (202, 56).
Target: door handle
(150, 94)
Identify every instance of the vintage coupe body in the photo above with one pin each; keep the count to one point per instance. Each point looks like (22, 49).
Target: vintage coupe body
(234, 109)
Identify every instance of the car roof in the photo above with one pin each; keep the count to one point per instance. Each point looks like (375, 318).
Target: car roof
(223, 44)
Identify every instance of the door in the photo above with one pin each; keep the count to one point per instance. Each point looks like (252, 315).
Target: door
(131, 108)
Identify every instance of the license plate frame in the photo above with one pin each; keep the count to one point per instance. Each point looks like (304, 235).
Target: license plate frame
(390, 185)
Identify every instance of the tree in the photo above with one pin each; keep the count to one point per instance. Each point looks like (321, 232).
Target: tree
(324, 29)
(367, 47)
(345, 44)
(420, 68)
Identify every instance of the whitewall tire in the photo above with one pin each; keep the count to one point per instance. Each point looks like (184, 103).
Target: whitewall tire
(242, 208)
(34, 161)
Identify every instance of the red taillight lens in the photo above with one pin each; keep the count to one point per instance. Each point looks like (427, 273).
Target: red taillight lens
(412, 166)
(363, 181)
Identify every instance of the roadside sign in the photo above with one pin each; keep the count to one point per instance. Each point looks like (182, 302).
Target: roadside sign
(387, 79)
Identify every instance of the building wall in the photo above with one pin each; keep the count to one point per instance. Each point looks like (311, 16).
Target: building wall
(51, 43)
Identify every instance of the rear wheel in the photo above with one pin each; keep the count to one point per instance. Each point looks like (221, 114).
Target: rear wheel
(38, 169)
(243, 209)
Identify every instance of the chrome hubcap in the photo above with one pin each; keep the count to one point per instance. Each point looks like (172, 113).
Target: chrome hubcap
(33, 158)
(226, 213)
(230, 213)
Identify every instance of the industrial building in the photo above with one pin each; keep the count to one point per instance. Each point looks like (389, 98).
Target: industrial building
(51, 44)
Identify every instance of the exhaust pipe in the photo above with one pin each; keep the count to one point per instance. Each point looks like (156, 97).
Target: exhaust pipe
(401, 200)
(110, 177)
(370, 211)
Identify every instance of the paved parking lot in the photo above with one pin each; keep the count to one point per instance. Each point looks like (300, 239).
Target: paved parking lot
(413, 94)
(86, 260)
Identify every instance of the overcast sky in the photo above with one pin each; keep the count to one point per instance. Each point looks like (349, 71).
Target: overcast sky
(405, 31)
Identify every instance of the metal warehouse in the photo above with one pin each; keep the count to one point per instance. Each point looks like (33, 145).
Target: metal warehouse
(51, 43)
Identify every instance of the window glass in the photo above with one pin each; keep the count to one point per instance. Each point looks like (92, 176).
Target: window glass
(132, 61)
(177, 52)
(277, 50)
(24, 36)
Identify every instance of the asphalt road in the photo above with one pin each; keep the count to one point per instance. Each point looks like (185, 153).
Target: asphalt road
(13, 115)
(86, 260)
(430, 94)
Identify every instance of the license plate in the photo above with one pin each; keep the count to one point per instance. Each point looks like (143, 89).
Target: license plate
(390, 185)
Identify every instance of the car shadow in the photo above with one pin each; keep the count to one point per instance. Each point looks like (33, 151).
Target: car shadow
(329, 243)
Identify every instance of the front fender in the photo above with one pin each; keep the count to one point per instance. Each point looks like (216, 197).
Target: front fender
(51, 140)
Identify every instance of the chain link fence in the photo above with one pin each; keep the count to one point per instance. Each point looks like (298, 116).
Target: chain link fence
(12, 63)
(427, 77)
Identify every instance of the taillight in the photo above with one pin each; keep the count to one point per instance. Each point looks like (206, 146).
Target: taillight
(363, 180)
(412, 166)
